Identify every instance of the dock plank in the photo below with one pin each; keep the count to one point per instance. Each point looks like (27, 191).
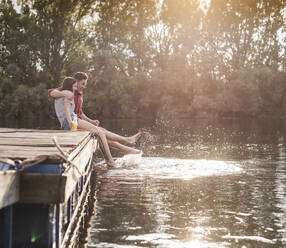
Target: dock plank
(26, 143)
(33, 142)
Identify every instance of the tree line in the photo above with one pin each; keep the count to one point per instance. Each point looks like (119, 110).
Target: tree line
(145, 58)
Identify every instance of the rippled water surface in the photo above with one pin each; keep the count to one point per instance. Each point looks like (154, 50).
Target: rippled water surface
(196, 185)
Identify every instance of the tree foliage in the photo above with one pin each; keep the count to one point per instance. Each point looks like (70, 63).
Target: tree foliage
(145, 58)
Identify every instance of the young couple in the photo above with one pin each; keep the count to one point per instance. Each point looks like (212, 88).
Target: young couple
(68, 106)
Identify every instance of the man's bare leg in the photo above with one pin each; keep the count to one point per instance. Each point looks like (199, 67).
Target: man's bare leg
(115, 137)
(125, 149)
(112, 138)
(82, 124)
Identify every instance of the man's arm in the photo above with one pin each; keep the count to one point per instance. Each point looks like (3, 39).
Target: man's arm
(84, 117)
(56, 93)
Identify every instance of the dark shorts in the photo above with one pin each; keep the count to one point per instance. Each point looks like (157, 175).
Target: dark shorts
(65, 125)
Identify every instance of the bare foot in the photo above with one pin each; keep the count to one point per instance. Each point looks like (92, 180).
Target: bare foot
(111, 163)
(133, 139)
(132, 151)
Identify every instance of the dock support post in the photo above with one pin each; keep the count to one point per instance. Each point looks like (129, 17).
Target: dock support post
(6, 236)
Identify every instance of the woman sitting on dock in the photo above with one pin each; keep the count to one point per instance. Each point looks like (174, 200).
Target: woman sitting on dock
(64, 107)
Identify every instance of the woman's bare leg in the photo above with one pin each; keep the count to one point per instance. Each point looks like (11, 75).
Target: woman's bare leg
(82, 124)
(123, 148)
(116, 137)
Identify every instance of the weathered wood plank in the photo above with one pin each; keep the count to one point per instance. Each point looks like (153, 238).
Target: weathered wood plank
(7, 130)
(32, 142)
(23, 130)
(25, 143)
(39, 135)
(43, 138)
(20, 152)
(9, 188)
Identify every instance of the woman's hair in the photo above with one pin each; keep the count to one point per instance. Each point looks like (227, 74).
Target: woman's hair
(80, 76)
(68, 83)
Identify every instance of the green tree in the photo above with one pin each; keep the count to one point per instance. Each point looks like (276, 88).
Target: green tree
(38, 43)
(120, 55)
(145, 58)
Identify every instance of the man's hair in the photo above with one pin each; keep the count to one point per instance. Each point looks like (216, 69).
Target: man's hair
(80, 76)
(68, 83)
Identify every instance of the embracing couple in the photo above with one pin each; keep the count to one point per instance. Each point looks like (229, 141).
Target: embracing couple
(68, 106)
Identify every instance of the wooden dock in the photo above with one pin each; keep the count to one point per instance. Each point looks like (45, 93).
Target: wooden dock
(29, 143)
(36, 182)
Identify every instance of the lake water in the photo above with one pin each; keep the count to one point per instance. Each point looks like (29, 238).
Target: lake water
(197, 185)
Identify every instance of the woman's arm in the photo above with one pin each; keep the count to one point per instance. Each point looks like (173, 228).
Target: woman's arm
(67, 106)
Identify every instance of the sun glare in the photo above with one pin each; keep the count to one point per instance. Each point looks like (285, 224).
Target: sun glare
(204, 4)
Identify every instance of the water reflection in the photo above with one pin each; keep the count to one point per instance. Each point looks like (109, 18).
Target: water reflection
(217, 188)
(280, 194)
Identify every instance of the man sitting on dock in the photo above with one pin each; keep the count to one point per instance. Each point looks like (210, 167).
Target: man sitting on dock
(112, 138)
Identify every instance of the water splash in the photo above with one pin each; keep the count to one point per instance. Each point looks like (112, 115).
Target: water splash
(128, 160)
(171, 168)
